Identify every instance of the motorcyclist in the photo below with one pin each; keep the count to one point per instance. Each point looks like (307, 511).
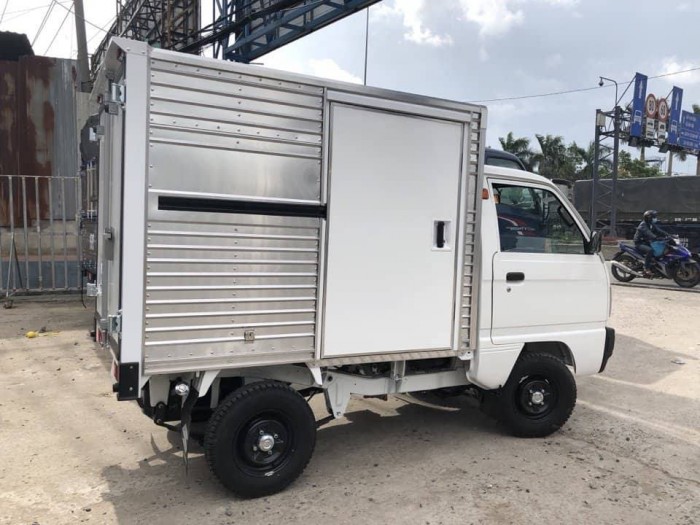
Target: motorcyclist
(648, 231)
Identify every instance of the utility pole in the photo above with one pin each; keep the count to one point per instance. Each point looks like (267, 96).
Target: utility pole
(83, 65)
(595, 175)
(616, 156)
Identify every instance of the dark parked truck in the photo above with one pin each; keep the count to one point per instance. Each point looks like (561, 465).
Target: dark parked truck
(676, 199)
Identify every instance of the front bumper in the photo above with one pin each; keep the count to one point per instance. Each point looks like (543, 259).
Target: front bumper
(609, 347)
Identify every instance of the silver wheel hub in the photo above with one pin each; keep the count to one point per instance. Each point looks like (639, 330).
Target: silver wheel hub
(266, 442)
(537, 397)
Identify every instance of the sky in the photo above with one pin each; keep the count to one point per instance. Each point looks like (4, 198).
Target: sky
(487, 51)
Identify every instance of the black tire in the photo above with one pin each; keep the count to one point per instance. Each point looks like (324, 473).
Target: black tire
(527, 416)
(231, 443)
(628, 261)
(687, 275)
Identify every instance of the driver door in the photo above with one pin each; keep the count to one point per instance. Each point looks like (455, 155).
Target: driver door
(543, 280)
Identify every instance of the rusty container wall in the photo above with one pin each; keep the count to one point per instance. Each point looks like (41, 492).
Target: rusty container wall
(9, 132)
(38, 135)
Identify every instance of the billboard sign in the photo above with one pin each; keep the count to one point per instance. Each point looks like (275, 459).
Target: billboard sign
(689, 136)
(638, 104)
(674, 116)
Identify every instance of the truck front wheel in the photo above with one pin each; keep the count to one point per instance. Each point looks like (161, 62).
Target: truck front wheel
(260, 439)
(538, 397)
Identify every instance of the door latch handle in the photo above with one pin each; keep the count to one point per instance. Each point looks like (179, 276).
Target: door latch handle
(513, 277)
(440, 234)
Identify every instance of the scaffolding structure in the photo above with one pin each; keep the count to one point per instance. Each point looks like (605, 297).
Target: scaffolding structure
(241, 30)
(169, 24)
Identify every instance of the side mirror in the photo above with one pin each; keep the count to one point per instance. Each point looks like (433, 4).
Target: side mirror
(565, 217)
(595, 244)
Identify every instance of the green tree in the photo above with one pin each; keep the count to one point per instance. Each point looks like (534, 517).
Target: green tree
(680, 155)
(629, 168)
(587, 159)
(520, 147)
(556, 160)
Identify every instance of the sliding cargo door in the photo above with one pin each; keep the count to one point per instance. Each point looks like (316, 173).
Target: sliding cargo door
(392, 223)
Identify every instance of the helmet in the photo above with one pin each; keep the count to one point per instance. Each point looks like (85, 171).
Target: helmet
(649, 215)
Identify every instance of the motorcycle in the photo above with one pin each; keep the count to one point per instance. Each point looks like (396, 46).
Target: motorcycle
(671, 260)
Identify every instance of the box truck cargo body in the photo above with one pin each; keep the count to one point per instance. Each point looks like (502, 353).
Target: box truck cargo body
(268, 236)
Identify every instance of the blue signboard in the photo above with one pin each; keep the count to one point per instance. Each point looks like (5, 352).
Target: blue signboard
(674, 116)
(640, 93)
(689, 132)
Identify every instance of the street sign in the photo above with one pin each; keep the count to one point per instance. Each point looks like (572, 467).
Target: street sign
(689, 136)
(690, 121)
(650, 129)
(675, 115)
(650, 106)
(689, 141)
(662, 110)
(640, 92)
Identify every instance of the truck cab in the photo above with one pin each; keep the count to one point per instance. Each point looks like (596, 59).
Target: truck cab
(549, 288)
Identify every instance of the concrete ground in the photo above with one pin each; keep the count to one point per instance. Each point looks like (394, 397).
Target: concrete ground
(70, 453)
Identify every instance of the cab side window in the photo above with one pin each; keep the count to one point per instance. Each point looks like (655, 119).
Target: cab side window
(534, 220)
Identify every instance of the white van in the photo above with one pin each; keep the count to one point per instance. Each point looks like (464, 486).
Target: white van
(269, 237)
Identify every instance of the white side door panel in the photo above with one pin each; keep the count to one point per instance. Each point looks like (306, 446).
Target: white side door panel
(559, 292)
(389, 288)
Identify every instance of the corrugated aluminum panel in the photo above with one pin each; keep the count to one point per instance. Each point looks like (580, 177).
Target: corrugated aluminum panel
(215, 279)
(211, 279)
(471, 272)
(254, 136)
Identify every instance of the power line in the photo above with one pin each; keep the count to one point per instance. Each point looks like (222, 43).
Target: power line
(13, 15)
(7, 2)
(579, 90)
(103, 28)
(70, 11)
(57, 32)
(43, 21)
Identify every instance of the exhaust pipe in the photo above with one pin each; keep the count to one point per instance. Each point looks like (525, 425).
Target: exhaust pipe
(625, 269)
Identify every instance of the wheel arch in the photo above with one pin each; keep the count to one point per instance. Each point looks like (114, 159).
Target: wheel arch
(554, 348)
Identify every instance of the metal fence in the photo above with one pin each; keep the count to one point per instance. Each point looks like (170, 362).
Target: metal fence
(39, 234)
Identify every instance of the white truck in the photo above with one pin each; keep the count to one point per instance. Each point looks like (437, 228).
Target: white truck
(267, 237)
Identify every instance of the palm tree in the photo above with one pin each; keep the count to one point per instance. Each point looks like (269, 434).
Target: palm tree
(553, 156)
(680, 155)
(587, 159)
(520, 147)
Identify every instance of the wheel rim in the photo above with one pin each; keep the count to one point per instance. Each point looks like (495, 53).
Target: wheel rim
(628, 262)
(264, 444)
(536, 396)
(687, 272)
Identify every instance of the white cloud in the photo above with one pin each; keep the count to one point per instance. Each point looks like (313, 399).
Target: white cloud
(562, 3)
(483, 54)
(673, 65)
(411, 13)
(317, 67)
(328, 68)
(494, 17)
(554, 60)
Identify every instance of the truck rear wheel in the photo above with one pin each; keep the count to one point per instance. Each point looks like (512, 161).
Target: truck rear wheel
(260, 439)
(538, 397)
